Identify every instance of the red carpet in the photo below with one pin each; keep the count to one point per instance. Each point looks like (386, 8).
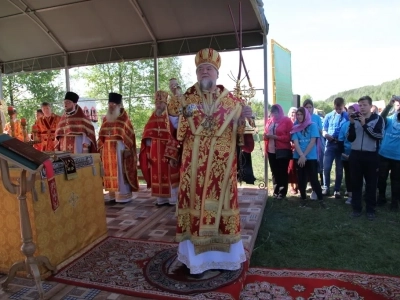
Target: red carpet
(146, 269)
(263, 283)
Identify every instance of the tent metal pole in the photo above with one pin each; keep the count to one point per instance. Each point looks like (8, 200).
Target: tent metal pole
(1, 83)
(155, 67)
(265, 103)
(67, 83)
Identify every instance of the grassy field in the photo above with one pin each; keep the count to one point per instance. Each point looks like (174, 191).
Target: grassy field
(312, 238)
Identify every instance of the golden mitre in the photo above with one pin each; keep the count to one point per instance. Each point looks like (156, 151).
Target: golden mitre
(208, 56)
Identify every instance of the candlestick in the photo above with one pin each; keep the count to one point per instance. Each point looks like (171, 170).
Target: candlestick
(11, 112)
(35, 133)
(24, 132)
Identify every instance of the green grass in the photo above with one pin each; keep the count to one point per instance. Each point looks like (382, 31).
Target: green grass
(298, 238)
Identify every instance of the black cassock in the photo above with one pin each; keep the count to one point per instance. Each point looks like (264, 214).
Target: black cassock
(244, 166)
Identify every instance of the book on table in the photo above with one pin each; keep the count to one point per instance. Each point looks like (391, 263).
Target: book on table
(21, 154)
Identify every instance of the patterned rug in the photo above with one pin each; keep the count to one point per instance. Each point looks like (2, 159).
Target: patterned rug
(262, 283)
(145, 268)
(142, 220)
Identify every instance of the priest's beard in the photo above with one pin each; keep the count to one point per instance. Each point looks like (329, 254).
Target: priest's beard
(206, 84)
(159, 111)
(70, 110)
(112, 116)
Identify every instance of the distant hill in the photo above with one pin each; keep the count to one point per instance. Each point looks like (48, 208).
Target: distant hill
(383, 91)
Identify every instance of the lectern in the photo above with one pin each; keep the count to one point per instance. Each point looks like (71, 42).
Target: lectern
(30, 161)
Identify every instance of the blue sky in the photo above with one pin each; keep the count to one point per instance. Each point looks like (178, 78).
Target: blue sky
(335, 45)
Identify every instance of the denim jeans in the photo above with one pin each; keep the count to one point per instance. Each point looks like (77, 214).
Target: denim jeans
(332, 153)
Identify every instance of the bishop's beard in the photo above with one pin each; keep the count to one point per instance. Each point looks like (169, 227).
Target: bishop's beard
(112, 116)
(206, 84)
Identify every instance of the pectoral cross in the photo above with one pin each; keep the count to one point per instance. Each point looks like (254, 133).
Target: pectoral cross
(208, 122)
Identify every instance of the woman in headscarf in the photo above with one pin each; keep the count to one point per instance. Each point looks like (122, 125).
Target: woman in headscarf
(292, 176)
(292, 114)
(345, 146)
(278, 148)
(305, 136)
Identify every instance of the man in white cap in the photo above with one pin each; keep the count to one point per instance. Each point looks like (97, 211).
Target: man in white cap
(208, 229)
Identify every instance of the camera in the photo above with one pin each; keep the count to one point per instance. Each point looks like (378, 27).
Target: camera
(356, 115)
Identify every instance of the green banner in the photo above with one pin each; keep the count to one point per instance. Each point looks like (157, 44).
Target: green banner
(282, 76)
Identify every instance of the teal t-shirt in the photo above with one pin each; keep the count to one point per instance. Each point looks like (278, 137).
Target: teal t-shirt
(389, 147)
(304, 138)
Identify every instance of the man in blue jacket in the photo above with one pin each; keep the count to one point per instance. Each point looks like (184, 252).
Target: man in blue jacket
(331, 128)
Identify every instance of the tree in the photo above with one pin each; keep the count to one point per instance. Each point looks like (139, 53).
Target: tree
(26, 91)
(135, 81)
(305, 97)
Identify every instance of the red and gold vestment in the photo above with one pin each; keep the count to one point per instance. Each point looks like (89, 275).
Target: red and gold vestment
(208, 210)
(72, 125)
(110, 133)
(159, 175)
(46, 132)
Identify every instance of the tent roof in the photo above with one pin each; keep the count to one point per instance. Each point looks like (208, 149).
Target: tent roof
(50, 34)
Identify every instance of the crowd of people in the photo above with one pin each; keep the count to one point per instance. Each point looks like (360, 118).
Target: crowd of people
(301, 148)
(188, 157)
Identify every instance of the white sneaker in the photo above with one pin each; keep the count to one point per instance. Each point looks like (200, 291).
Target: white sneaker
(313, 196)
(348, 201)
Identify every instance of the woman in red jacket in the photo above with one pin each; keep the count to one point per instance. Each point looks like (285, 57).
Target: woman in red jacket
(278, 148)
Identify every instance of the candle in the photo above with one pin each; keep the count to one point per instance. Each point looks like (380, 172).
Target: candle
(23, 122)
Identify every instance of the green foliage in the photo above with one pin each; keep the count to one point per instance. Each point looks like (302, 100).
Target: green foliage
(26, 91)
(305, 97)
(298, 238)
(134, 81)
(383, 91)
(327, 107)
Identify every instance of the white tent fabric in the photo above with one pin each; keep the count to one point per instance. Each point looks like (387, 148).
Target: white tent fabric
(52, 34)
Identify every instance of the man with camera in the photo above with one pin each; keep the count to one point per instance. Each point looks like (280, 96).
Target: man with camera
(389, 155)
(365, 131)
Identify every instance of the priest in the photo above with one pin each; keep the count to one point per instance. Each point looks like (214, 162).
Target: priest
(117, 146)
(46, 126)
(208, 216)
(162, 178)
(75, 132)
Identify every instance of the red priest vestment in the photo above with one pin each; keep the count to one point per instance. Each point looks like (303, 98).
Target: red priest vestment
(72, 125)
(111, 132)
(208, 210)
(18, 133)
(157, 172)
(46, 132)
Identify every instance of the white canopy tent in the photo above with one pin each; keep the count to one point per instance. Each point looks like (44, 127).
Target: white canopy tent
(40, 35)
